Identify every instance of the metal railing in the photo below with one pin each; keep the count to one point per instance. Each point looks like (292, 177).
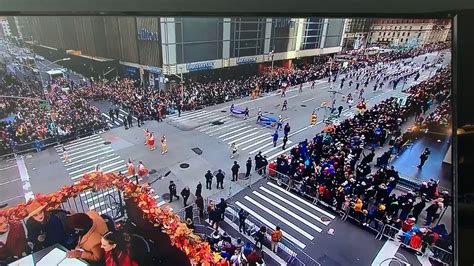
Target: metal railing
(49, 142)
(296, 256)
(440, 255)
(108, 202)
(431, 251)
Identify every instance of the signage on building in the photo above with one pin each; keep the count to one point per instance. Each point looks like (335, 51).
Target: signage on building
(246, 60)
(152, 69)
(151, 79)
(147, 35)
(199, 66)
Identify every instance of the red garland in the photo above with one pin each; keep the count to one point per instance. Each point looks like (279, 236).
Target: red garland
(181, 237)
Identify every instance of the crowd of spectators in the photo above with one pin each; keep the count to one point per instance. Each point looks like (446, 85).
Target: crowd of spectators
(70, 113)
(36, 117)
(336, 168)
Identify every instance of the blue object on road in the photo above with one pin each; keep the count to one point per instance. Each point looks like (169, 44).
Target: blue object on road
(236, 110)
(269, 121)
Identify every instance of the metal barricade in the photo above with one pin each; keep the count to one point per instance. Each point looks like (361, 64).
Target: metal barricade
(440, 255)
(105, 201)
(389, 232)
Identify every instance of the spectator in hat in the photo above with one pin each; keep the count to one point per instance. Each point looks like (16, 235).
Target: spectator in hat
(45, 228)
(90, 227)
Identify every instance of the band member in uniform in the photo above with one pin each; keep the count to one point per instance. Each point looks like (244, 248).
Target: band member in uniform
(285, 106)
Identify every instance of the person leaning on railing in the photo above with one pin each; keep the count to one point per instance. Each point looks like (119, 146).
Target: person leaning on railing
(90, 227)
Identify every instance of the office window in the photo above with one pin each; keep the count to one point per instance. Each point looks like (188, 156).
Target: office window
(401, 40)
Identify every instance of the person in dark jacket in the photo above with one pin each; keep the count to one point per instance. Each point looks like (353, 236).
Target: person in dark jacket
(172, 189)
(235, 171)
(220, 179)
(260, 237)
(185, 193)
(117, 112)
(209, 177)
(258, 160)
(242, 217)
(44, 227)
(198, 189)
(249, 167)
(221, 209)
(200, 205)
(130, 120)
(418, 208)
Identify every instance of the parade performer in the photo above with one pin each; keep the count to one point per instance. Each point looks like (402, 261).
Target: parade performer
(164, 145)
(130, 168)
(233, 150)
(66, 156)
(361, 106)
(314, 119)
(280, 122)
(246, 113)
(142, 170)
(285, 106)
(147, 135)
(151, 142)
(259, 114)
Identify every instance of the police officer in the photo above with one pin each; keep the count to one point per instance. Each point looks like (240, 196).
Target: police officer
(208, 177)
(235, 171)
(172, 188)
(220, 178)
(249, 167)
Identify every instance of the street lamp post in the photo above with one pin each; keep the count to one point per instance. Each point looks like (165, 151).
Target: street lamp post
(270, 55)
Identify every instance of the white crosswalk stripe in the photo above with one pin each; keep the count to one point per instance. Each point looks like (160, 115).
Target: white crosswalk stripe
(246, 134)
(118, 121)
(270, 205)
(85, 154)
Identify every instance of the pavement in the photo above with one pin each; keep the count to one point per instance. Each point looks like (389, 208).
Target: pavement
(47, 171)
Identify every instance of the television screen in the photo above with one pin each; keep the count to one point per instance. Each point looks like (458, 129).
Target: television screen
(320, 141)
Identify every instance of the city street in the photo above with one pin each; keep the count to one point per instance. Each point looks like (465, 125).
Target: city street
(212, 130)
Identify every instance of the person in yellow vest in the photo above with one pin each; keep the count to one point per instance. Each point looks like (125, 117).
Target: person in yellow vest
(276, 238)
(358, 210)
(130, 168)
(164, 145)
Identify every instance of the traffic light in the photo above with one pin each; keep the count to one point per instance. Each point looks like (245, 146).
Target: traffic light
(314, 118)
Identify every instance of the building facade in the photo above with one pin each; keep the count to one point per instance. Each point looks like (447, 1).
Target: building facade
(5, 28)
(409, 32)
(184, 45)
(356, 33)
(194, 44)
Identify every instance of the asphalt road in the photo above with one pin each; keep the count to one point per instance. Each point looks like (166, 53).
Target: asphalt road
(47, 171)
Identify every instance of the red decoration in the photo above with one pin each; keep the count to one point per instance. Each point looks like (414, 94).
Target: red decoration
(197, 250)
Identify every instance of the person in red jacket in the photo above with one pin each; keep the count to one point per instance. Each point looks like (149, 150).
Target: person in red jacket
(13, 242)
(115, 253)
(408, 224)
(415, 241)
